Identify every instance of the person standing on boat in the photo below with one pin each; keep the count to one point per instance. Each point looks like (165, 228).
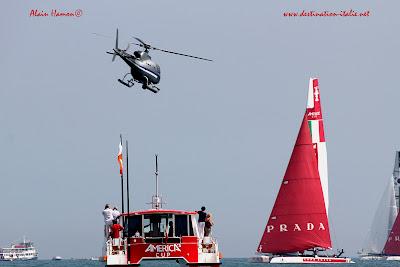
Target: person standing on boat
(115, 213)
(208, 224)
(202, 221)
(108, 219)
(115, 229)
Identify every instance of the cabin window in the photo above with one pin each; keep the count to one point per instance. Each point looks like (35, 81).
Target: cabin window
(156, 225)
(181, 225)
(134, 225)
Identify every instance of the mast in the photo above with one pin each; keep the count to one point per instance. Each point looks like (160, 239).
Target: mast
(127, 176)
(156, 202)
(396, 178)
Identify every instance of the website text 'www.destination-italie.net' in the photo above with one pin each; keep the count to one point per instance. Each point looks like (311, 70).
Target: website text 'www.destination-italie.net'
(328, 13)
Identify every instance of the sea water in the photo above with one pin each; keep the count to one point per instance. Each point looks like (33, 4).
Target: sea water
(230, 262)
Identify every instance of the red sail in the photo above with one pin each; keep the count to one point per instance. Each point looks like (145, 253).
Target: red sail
(392, 246)
(298, 220)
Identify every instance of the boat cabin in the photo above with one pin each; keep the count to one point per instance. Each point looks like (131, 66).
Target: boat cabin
(161, 226)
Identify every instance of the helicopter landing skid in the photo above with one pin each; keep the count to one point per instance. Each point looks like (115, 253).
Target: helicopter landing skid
(151, 87)
(128, 83)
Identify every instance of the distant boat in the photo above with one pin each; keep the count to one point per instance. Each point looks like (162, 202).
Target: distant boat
(297, 230)
(19, 251)
(56, 258)
(383, 240)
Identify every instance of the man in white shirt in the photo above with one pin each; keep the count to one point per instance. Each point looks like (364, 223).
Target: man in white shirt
(108, 219)
(115, 213)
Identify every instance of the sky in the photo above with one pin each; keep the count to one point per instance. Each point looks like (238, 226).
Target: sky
(223, 130)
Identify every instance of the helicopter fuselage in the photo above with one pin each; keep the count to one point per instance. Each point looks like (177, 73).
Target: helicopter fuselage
(141, 65)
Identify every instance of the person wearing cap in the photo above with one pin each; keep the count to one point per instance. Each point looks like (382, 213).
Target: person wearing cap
(108, 219)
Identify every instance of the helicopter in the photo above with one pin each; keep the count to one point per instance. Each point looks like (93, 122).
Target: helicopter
(143, 69)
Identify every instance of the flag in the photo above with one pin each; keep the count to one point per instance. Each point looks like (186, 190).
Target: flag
(120, 162)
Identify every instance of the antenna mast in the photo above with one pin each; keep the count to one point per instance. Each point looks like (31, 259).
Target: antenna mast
(156, 202)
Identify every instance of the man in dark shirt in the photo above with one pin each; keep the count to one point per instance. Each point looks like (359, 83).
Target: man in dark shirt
(202, 221)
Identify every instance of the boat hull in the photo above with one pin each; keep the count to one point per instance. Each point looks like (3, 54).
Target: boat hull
(393, 258)
(372, 257)
(295, 259)
(260, 259)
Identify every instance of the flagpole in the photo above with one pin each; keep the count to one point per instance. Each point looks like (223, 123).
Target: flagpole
(127, 176)
(122, 183)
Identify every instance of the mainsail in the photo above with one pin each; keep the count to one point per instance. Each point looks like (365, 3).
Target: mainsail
(298, 220)
(382, 223)
(316, 124)
(392, 246)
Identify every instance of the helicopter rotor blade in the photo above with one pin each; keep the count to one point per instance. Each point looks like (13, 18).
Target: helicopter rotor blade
(142, 42)
(101, 35)
(180, 54)
(147, 46)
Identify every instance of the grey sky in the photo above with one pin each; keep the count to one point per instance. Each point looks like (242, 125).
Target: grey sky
(224, 130)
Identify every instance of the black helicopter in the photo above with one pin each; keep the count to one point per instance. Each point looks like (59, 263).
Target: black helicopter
(143, 69)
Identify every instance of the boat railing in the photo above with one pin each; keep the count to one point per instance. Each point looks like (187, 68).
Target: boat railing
(116, 246)
(208, 245)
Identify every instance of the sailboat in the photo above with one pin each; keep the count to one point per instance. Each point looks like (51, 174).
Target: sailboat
(383, 240)
(297, 230)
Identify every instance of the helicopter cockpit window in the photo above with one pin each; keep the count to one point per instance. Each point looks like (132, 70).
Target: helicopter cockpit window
(137, 54)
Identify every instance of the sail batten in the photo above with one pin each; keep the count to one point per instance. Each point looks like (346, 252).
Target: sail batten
(298, 220)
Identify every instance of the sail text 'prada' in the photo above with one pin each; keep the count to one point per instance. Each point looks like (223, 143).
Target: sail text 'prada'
(296, 227)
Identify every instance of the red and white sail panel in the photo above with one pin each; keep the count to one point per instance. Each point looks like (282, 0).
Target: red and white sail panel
(392, 246)
(316, 124)
(298, 220)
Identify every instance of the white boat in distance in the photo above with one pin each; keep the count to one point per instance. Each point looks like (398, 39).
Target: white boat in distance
(19, 251)
(297, 230)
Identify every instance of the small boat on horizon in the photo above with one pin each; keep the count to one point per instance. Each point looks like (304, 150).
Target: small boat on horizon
(297, 230)
(383, 239)
(20, 251)
(57, 258)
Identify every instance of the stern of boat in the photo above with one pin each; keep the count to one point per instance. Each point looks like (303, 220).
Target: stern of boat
(116, 252)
